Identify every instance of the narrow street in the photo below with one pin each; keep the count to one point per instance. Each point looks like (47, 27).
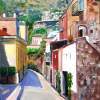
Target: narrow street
(35, 86)
(49, 49)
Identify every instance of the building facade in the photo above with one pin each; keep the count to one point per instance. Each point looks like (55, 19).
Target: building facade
(81, 56)
(13, 48)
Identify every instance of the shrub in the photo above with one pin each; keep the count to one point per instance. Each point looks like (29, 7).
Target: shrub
(11, 71)
(3, 71)
(7, 71)
(58, 82)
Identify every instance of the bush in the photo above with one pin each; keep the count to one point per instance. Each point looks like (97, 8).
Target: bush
(11, 71)
(69, 81)
(7, 71)
(58, 82)
(3, 71)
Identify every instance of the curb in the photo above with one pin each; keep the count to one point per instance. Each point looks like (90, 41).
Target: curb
(15, 93)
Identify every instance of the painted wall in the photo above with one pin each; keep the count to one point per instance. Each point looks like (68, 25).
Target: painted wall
(69, 63)
(36, 40)
(22, 31)
(20, 55)
(71, 19)
(7, 55)
(63, 25)
(13, 53)
(55, 59)
(10, 50)
(10, 25)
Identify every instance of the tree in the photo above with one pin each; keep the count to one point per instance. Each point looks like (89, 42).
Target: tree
(42, 48)
(30, 17)
(2, 7)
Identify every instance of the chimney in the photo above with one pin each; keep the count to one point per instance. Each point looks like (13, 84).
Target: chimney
(4, 15)
(14, 15)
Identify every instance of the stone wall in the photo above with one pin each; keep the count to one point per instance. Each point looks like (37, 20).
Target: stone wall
(88, 71)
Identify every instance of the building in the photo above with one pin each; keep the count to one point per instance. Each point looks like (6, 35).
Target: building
(80, 56)
(48, 24)
(12, 49)
(63, 26)
(36, 41)
(67, 21)
(80, 59)
(86, 26)
(35, 45)
(55, 46)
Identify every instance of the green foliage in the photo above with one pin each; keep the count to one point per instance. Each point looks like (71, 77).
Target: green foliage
(7, 71)
(42, 48)
(69, 81)
(41, 31)
(58, 82)
(3, 71)
(30, 36)
(30, 17)
(37, 52)
(11, 71)
(31, 51)
(2, 7)
(33, 67)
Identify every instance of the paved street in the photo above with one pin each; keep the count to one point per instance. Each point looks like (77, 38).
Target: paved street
(6, 90)
(38, 88)
(32, 87)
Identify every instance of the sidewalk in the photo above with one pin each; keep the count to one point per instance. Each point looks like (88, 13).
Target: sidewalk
(6, 90)
(47, 87)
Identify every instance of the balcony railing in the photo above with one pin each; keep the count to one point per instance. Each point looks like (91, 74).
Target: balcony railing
(77, 8)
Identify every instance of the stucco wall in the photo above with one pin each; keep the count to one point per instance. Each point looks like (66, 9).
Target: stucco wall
(7, 55)
(69, 63)
(71, 19)
(10, 25)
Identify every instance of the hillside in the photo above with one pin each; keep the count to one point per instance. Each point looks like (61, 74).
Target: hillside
(35, 4)
(42, 4)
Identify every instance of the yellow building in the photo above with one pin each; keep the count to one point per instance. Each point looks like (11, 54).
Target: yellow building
(13, 49)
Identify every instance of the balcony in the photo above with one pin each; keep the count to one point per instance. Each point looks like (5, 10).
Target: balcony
(77, 8)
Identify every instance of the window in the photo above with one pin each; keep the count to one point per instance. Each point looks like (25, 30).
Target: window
(91, 31)
(80, 33)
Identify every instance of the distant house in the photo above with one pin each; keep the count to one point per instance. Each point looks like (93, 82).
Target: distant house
(48, 24)
(36, 41)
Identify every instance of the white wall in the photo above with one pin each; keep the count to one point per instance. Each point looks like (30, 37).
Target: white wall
(10, 52)
(69, 62)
